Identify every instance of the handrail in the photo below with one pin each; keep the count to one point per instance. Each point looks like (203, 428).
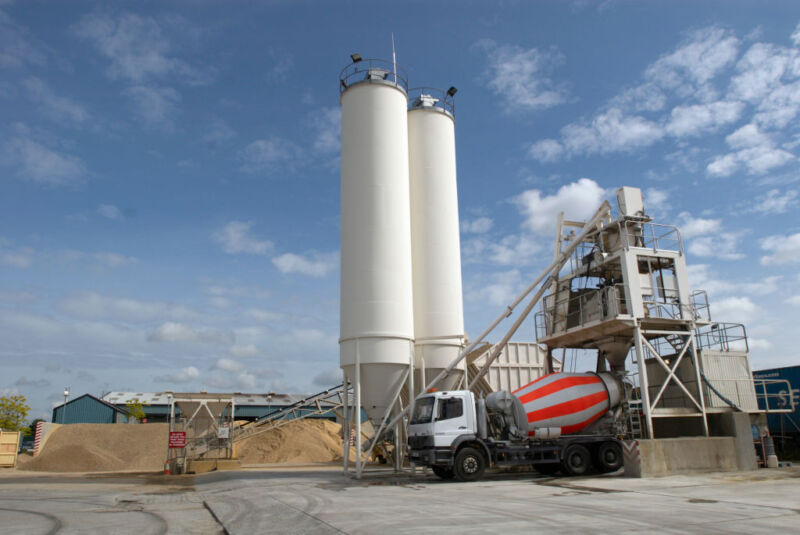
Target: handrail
(387, 72)
(439, 99)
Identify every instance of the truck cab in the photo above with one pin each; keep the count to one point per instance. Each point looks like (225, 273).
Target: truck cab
(442, 425)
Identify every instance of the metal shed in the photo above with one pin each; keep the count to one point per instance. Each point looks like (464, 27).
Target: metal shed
(87, 409)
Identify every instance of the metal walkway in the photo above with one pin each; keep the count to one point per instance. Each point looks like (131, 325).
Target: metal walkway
(323, 402)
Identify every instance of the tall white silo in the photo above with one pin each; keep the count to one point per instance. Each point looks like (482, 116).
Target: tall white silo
(435, 240)
(376, 323)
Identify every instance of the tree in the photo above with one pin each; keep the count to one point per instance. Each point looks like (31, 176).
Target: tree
(135, 410)
(13, 412)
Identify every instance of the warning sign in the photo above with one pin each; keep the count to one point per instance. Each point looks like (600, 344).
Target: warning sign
(177, 439)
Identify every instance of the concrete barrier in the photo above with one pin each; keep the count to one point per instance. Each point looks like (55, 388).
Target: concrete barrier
(666, 456)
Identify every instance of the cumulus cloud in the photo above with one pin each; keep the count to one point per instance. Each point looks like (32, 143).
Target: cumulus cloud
(249, 350)
(754, 150)
(155, 106)
(180, 332)
(269, 155)
(578, 200)
(329, 377)
(774, 202)
(229, 365)
(17, 47)
(19, 258)
(184, 375)
(735, 310)
(480, 225)
(496, 289)
(110, 211)
(33, 383)
(58, 108)
(328, 126)
(520, 77)
(99, 306)
(139, 48)
(696, 119)
(314, 265)
(692, 227)
(784, 249)
(696, 61)
(235, 237)
(41, 164)
(722, 245)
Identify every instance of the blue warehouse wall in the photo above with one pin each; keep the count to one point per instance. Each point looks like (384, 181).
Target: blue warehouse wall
(86, 410)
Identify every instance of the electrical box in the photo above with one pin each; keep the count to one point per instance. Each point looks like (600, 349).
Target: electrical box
(629, 201)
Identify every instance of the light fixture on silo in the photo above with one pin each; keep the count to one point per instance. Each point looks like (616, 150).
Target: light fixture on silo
(355, 57)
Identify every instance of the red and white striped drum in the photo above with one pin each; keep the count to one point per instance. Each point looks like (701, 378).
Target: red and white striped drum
(569, 401)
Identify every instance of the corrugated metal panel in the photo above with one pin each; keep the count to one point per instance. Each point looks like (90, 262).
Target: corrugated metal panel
(84, 410)
(729, 372)
(517, 365)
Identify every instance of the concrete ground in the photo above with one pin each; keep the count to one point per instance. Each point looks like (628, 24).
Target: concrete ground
(323, 500)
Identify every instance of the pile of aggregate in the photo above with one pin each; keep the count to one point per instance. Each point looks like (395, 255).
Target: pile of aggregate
(303, 441)
(102, 448)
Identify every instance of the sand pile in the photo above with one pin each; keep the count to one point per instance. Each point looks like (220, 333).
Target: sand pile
(103, 448)
(303, 441)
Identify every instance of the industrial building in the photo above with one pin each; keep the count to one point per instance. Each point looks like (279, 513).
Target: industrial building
(88, 409)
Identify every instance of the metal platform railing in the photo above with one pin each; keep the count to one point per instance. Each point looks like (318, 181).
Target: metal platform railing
(722, 337)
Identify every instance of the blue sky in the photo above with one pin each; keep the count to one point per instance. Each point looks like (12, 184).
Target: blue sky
(169, 174)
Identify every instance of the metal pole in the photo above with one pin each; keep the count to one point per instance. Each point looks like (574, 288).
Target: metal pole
(346, 425)
(357, 411)
(643, 388)
(699, 383)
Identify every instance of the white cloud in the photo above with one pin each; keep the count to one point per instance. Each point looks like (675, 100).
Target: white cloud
(155, 106)
(546, 150)
(17, 47)
(796, 35)
(520, 77)
(754, 151)
(180, 332)
(480, 225)
(184, 375)
(774, 202)
(735, 310)
(696, 61)
(696, 119)
(99, 306)
(218, 133)
(702, 277)
(645, 97)
(497, 289)
(110, 211)
(264, 315)
(38, 163)
(794, 300)
(692, 227)
(235, 238)
(784, 249)
(58, 108)
(656, 201)
(20, 258)
(610, 131)
(328, 378)
(315, 265)
(139, 48)
(328, 125)
(578, 200)
(249, 350)
(269, 155)
(760, 70)
(722, 245)
(229, 365)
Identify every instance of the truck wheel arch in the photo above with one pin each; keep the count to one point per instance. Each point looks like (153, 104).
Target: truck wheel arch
(472, 441)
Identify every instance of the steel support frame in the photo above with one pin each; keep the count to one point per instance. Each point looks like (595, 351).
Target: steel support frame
(643, 346)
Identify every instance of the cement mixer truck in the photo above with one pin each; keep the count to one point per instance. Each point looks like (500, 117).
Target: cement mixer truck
(562, 421)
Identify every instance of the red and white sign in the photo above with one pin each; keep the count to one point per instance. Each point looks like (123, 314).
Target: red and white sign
(177, 439)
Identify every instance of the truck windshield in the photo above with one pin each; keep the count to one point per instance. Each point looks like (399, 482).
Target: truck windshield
(423, 411)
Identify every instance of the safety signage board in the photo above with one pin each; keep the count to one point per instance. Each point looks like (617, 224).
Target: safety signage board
(177, 439)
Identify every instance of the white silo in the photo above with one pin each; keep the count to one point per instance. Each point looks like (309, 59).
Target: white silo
(376, 323)
(435, 241)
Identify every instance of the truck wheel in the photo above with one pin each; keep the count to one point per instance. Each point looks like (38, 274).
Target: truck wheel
(443, 472)
(608, 457)
(576, 460)
(469, 465)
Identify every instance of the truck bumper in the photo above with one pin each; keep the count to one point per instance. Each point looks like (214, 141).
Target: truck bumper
(432, 457)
